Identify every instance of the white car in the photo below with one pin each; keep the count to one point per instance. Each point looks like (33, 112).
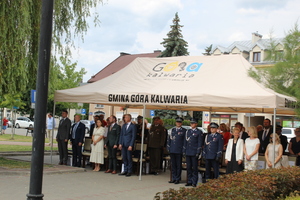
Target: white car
(24, 122)
(289, 133)
(87, 124)
(9, 124)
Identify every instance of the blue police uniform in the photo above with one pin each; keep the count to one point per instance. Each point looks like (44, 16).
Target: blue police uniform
(175, 146)
(212, 152)
(192, 148)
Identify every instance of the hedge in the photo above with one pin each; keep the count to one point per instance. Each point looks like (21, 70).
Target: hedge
(169, 123)
(259, 185)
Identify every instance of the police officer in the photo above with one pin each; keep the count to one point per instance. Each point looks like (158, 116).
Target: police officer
(191, 149)
(212, 152)
(175, 146)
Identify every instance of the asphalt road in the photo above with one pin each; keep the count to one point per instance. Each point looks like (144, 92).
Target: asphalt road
(21, 131)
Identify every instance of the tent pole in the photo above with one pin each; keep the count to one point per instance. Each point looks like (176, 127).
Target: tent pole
(274, 130)
(52, 135)
(249, 120)
(142, 143)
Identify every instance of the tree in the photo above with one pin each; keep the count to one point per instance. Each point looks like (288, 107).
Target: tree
(284, 76)
(19, 36)
(64, 76)
(175, 44)
(208, 50)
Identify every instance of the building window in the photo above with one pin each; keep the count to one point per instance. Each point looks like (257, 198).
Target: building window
(256, 56)
(99, 106)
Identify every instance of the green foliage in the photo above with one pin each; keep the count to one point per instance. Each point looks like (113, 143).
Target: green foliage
(18, 22)
(19, 38)
(169, 123)
(11, 101)
(284, 77)
(259, 184)
(175, 44)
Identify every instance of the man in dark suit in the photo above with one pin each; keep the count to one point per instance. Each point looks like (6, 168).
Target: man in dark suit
(96, 117)
(264, 136)
(113, 136)
(243, 135)
(76, 138)
(62, 137)
(126, 142)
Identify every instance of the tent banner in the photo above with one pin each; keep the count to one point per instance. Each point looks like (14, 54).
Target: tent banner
(153, 98)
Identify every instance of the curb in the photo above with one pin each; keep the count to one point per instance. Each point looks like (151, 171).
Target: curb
(47, 171)
(24, 153)
(56, 169)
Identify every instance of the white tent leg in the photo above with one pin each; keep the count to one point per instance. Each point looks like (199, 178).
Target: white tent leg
(52, 135)
(142, 143)
(274, 131)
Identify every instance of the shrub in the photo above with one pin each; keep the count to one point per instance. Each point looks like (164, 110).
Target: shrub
(259, 184)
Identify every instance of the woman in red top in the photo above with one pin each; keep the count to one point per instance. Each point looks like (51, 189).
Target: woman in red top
(226, 134)
(5, 123)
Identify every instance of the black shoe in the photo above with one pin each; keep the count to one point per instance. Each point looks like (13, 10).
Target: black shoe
(123, 173)
(188, 184)
(172, 181)
(193, 185)
(128, 174)
(151, 172)
(155, 173)
(176, 182)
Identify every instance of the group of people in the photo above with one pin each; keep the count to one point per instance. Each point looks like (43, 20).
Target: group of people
(194, 144)
(241, 148)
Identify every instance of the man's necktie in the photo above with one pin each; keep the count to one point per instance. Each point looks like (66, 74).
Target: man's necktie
(264, 135)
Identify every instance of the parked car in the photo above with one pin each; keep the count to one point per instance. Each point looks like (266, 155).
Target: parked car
(87, 124)
(24, 122)
(289, 133)
(9, 124)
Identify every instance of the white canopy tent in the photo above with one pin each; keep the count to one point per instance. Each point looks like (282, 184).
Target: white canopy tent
(197, 83)
(204, 83)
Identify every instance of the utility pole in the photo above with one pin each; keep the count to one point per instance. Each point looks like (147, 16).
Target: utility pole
(38, 142)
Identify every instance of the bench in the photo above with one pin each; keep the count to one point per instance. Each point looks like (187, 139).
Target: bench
(29, 130)
(86, 150)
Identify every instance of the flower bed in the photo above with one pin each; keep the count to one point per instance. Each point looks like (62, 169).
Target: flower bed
(259, 184)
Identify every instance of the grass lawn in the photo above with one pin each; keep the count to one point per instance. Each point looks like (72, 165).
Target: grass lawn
(8, 163)
(20, 138)
(5, 148)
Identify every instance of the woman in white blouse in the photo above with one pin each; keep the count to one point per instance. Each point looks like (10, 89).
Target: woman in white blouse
(234, 153)
(251, 149)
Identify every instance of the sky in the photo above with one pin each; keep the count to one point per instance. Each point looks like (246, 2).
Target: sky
(139, 26)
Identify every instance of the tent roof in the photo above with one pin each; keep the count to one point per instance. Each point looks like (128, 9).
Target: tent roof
(204, 83)
(119, 63)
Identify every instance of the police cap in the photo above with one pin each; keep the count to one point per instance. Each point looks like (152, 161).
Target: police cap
(213, 125)
(179, 119)
(193, 121)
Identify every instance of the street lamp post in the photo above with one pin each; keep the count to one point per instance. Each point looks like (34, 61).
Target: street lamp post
(38, 142)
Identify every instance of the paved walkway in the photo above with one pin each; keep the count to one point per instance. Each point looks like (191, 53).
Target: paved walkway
(71, 183)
